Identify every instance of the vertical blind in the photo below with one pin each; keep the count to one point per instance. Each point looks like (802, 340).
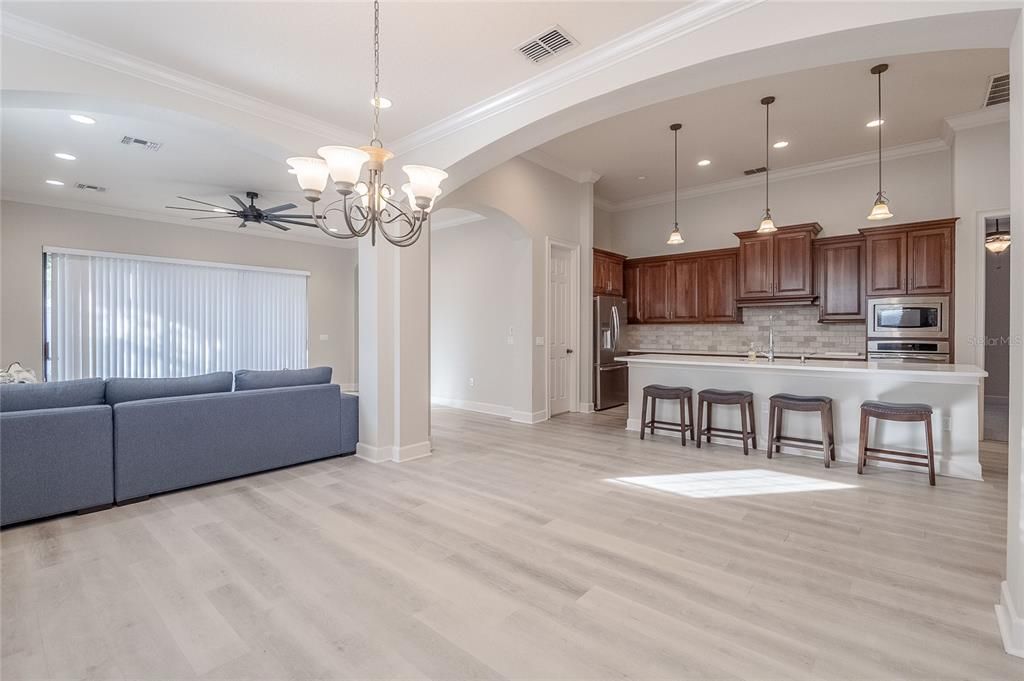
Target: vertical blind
(113, 315)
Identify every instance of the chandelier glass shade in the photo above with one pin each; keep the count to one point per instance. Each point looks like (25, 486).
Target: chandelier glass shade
(879, 211)
(367, 205)
(998, 240)
(767, 225)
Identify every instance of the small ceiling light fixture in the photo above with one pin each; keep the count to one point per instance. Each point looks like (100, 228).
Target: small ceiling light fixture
(997, 240)
(767, 225)
(675, 238)
(704, 163)
(641, 177)
(877, 122)
(55, 183)
(367, 207)
(380, 103)
(64, 156)
(880, 211)
(781, 144)
(83, 119)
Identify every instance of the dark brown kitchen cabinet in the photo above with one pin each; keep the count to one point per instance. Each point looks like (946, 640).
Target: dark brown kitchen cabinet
(607, 273)
(656, 291)
(718, 289)
(777, 267)
(841, 279)
(914, 258)
(686, 288)
(631, 291)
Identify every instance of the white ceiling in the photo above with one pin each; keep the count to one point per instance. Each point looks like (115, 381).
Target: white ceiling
(315, 58)
(821, 112)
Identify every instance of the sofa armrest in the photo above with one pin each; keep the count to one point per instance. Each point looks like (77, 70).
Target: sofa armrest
(55, 461)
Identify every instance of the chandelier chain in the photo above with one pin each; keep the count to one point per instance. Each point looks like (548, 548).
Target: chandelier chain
(879, 126)
(375, 136)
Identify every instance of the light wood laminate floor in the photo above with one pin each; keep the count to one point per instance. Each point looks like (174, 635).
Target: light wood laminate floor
(511, 553)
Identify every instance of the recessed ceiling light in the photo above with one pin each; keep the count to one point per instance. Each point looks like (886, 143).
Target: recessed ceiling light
(64, 156)
(703, 163)
(381, 103)
(332, 229)
(781, 144)
(55, 183)
(875, 123)
(292, 171)
(641, 177)
(84, 120)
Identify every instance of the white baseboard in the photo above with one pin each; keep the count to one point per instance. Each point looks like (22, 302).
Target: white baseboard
(586, 407)
(633, 424)
(1011, 625)
(373, 454)
(393, 454)
(468, 405)
(530, 418)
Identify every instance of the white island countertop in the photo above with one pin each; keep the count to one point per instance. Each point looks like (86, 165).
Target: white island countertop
(923, 372)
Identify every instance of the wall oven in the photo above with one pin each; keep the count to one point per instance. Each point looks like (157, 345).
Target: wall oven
(936, 352)
(909, 317)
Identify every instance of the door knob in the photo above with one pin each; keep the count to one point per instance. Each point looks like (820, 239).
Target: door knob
(568, 351)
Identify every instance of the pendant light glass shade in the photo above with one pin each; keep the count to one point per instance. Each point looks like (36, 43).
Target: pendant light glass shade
(997, 241)
(675, 238)
(880, 211)
(767, 225)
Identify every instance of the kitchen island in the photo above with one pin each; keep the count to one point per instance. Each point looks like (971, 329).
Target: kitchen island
(951, 389)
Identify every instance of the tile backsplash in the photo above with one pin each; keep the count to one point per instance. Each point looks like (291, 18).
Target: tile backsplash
(797, 331)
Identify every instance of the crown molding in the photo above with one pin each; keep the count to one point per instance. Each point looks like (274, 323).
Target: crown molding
(14, 27)
(652, 35)
(545, 160)
(152, 216)
(438, 224)
(867, 158)
(1000, 113)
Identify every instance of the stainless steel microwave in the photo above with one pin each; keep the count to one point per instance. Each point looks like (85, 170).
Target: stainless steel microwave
(909, 317)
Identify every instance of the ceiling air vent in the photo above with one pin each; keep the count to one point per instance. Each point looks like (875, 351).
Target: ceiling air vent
(998, 90)
(551, 41)
(145, 144)
(755, 171)
(90, 187)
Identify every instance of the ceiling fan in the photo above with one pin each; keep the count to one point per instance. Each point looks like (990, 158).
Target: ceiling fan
(250, 213)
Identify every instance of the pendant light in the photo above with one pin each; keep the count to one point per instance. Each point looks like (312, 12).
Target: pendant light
(997, 241)
(675, 238)
(767, 225)
(880, 211)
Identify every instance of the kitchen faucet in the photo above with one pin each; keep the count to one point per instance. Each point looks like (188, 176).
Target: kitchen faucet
(771, 339)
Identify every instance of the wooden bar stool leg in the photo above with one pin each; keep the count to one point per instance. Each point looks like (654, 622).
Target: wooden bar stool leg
(862, 455)
(831, 434)
(643, 418)
(931, 452)
(743, 428)
(777, 444)
(654, 413)
(753, 424)
(689, 411)
(682, 420)
(709, 422)
(772, 434)
(824, 437)
(700, 421)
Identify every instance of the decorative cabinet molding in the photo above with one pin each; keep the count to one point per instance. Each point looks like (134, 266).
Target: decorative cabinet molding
(841, 288)
(691, 288)
(608, 273)
(777, 268)
(914, 258)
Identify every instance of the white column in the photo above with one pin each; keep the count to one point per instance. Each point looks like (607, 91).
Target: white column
(1010, 610)
(394, 351)
(586, 390)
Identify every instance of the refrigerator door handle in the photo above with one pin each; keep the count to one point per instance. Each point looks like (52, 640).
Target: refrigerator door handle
(615, 327)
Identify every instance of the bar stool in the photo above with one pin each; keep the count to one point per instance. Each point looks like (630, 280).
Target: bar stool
(667, 392)
(745, 401)
(823, 405)
(895, 411)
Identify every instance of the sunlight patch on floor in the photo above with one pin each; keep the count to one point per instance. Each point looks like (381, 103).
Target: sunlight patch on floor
(731, 483)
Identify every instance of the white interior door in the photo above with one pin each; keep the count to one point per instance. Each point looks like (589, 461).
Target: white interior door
(561, 345)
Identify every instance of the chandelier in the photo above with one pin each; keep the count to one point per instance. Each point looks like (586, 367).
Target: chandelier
(879, 211)
(767, 225)
(368, 206)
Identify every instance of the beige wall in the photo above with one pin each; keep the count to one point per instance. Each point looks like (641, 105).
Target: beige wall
(26, 228)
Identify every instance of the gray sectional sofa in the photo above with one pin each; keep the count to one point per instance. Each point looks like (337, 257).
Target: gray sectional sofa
(77, 445)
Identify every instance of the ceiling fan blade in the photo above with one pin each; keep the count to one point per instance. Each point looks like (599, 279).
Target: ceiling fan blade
(290, 221)
(283, 206)
(241, 224)
(197, 210)
(202, 202)
(272, 223)
(216, 217)
(241, 204)
(296, 216)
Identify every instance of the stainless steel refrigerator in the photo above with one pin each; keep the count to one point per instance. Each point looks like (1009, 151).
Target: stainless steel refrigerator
(611, 385)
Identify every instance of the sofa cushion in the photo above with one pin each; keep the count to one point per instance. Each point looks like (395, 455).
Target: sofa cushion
(133, 389)
(248, 379)
(83, 392)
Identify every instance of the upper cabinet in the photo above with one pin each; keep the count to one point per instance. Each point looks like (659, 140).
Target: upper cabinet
(682, 289)
(777, 267)
(608, 273)
(910, 259)
(841, 280)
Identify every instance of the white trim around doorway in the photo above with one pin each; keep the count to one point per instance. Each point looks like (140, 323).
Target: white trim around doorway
(574, 276)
